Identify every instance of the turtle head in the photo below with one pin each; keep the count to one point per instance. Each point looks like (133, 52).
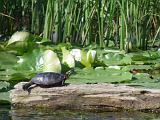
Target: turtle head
(68, 73)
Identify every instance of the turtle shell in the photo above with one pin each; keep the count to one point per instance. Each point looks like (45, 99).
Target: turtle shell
(48, 79)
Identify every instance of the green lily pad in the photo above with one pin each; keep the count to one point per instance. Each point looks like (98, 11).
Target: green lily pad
(5, 99)
(7, 60)
(30, 61)
(4, 85)
(107, 75)
(21, 42)
(114, 59)
(137, 67)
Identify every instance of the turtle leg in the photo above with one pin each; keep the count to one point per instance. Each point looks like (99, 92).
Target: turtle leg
(27, 85)
(63, 83)
(30, 88)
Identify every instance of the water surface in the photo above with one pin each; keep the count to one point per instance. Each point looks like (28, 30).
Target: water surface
(29, 114)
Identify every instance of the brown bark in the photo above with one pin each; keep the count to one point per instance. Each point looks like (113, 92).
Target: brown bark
(101, 97)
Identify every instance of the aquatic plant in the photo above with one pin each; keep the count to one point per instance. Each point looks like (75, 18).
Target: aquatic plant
(124, 24)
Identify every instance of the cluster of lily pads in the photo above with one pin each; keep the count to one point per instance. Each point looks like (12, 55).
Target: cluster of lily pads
(25, 55)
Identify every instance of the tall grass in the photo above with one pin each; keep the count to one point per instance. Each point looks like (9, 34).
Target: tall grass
(38, 13)
(128, 24)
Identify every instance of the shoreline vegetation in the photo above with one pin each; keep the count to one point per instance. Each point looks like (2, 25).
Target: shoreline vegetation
(105, 41)
(125, 25)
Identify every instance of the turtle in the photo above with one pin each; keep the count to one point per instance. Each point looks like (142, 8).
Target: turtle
(46, 80)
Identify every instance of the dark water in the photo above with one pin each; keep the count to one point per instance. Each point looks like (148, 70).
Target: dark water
(29, 114)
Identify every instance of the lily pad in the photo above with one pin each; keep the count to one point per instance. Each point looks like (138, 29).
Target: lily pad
(4, 85)
(81, 56)
(91, 56)
(112, 59)
(7, 60)
(68, 58)
(21, 42)
(19, 36)
(107, 75)
(30, 61)
(5, 99)
(51, 62)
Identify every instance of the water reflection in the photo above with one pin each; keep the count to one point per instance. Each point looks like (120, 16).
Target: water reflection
(30, 114)
(5, 113)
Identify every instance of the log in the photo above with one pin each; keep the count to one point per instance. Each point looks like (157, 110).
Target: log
(92, 97)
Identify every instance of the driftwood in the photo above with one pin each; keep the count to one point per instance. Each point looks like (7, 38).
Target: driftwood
(101, 97)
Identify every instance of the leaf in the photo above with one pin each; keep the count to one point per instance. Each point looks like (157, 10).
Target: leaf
(5, 99)
(7, 60)
(76, 53)
(21, 42)
(91, 56)
(80, 56)
(4, 94)
(113, 59)
(4, 85)
(137, 67)
(152, 55)
(19, 37)
(51, 62)
(126, 60)
(100, 76)
(139, 57)
(67, 58)
(84, 60)
(31, 61)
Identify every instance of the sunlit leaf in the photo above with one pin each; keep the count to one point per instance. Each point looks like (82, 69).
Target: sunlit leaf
(113, 59)
(91, 56)
(81, 56)
(84, 60)
(76, 53)
(21, 42)
(19, 37)
(51, 62)
(68, 58)
(126, 60)
(30, 61)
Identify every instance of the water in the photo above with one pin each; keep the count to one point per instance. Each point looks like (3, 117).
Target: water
(29, 114)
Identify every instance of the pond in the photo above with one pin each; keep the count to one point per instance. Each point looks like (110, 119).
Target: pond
(29, 114)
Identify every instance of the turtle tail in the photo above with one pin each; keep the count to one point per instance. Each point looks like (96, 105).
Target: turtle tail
(27, 85)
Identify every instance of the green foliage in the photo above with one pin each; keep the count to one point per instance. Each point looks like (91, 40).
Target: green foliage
(7, 60)
(5, 99)
(68, 58)
(19, 36)
(4, 87)
(127, 24)
(30, 61)
(108, 75)
(92, 66)
(21, 42)
(51, 62)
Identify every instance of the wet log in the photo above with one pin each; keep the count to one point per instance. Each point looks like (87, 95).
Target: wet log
(93, 97)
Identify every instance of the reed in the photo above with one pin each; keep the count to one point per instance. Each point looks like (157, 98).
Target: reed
(128, 24)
